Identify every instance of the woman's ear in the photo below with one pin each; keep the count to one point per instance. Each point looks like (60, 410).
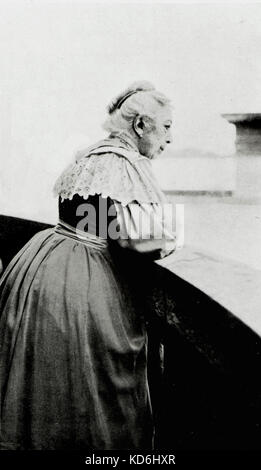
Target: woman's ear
(138, 125)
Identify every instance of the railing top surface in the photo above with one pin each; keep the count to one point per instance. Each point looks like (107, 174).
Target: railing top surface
(234, 285)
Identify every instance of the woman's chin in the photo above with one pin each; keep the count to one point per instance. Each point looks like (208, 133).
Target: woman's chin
(158, 153)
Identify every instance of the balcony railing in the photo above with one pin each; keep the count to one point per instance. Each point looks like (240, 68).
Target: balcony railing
(205, 388)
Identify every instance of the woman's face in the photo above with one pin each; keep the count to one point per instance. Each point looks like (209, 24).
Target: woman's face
(155, 137)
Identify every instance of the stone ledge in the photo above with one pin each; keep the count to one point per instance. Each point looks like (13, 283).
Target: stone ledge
(234, 285)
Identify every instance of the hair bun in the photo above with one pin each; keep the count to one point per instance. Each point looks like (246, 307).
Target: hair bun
(142, 85)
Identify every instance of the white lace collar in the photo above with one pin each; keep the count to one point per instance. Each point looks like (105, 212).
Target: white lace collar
(113, 168)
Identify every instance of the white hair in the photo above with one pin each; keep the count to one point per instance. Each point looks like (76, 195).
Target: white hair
(140, 99)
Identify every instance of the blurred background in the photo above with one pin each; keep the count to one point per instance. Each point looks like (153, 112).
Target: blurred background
(62, 62)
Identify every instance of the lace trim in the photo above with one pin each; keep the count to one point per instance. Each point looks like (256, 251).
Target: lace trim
(120, 174)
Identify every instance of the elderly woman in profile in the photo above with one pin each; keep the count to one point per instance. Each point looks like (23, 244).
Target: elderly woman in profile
(73, 369)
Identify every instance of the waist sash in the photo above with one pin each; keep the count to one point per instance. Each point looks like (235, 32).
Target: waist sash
(80, 236)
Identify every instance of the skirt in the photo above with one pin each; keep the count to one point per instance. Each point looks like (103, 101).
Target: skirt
(73, 352)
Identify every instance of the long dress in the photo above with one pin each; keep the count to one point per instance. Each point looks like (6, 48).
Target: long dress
(73, 353)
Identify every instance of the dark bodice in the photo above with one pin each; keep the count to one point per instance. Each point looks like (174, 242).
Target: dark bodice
(92, 215)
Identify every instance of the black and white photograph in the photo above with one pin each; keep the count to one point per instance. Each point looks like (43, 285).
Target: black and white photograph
(130, 231)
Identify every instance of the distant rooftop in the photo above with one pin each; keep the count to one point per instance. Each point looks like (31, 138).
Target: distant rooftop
(244, 118)
(248, 128)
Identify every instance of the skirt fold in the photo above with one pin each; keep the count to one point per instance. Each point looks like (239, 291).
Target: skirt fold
(73, 351)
